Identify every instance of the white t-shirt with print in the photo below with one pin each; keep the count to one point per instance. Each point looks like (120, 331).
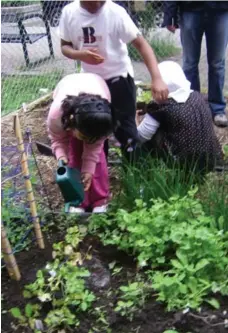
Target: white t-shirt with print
(108, 30)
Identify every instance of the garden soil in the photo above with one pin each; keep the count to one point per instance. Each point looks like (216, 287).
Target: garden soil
(152, 319)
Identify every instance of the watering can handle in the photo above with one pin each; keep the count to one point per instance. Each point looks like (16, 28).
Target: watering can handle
(61, 163)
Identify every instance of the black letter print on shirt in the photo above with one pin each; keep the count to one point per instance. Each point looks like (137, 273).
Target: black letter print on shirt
(88, 34)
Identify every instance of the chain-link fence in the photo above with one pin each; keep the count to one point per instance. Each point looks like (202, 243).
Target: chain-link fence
(32, 62)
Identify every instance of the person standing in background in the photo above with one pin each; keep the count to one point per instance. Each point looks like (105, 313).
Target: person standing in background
(195, 19)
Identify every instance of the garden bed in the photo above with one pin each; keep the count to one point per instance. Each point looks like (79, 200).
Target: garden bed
(121, 269)
(152, 318)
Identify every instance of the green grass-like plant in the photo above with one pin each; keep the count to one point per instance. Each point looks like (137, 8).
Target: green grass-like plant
(214, 198)
(150, 178)
(163, 48)
(24, 89)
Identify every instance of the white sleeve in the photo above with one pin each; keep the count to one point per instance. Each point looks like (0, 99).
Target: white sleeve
(147, 128)
(63, 26)
(127, 29)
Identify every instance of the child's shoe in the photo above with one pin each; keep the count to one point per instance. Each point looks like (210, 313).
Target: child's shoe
(100, 209)
(77, 210)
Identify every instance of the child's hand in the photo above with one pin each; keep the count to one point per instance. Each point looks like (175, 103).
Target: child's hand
(91, 57)
(159, 90)
(86, 180)
(139, 117)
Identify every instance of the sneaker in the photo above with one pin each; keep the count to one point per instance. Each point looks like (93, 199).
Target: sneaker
(221, 120)
(77, 210)
(100, 209)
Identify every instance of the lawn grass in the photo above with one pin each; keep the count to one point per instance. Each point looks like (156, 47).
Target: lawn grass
(163, 49)
(9, 3)
(24, 89)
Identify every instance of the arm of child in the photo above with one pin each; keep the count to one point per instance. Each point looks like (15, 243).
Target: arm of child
(89, 56)
(158, 88)
(59, 139)
(129, 33)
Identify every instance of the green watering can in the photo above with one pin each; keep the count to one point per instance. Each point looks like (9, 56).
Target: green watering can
(70, 184)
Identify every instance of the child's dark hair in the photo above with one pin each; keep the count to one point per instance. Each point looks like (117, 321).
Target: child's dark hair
(92, 115)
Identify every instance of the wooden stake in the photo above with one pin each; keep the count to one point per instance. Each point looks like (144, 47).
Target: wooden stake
(28, 184)
(9, 258)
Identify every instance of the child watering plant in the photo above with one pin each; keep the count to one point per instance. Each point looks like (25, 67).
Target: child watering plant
(79, 120)
(97, 33)
(182, 128)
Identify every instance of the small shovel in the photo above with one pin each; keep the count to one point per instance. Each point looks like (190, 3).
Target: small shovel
(44, 149)
(47, 151)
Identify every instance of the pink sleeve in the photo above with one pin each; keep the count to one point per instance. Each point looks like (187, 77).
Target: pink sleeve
(59, 137)
(91, 156)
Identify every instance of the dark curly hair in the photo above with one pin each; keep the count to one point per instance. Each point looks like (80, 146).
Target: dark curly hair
(91, 114)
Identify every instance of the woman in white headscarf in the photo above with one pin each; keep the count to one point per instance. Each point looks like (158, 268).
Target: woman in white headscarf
(183, 124)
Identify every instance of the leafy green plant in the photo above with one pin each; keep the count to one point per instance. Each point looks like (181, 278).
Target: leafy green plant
(189, 281)
(175, 238)
(145, 96)
(31, 312)
(62, 284)
(132, 298)
(15, 209)
(225, 151)
(61, 317)
(102, 324)
(12, 215)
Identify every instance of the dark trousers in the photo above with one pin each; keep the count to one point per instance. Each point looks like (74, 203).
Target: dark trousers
(123, 97)
(215, 26)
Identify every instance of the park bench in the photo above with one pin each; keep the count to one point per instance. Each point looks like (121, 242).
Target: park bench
(22, 36)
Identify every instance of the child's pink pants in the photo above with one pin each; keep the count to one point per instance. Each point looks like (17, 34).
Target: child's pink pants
(98, 193)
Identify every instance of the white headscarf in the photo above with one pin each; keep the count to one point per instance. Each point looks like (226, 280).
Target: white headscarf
(179, 89)
(173, 75)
